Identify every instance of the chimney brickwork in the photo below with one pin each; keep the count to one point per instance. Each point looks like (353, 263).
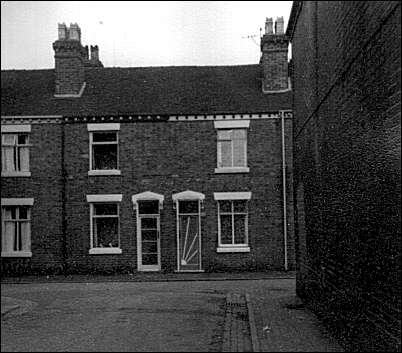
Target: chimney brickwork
(71, 58)
(274, 57)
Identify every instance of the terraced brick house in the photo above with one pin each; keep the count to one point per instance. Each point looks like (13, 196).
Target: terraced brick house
(147, 168)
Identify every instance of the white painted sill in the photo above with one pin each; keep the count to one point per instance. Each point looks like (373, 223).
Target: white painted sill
(233, 249)
(17, 254)
(232, 170)
(99, 251)
(15, 174)
(104, 172)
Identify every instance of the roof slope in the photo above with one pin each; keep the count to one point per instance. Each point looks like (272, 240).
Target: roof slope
(145, 90)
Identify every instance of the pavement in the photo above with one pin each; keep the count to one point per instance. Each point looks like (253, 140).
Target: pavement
(237, 312)
(152, 277)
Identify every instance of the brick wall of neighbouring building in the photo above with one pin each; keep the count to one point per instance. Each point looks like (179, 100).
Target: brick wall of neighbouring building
(165, 158)
(45, 186)
(347, 166)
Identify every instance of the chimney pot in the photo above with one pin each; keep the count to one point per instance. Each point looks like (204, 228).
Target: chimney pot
(268, 26)
(279, 25)
(75, 32)
(62, 31)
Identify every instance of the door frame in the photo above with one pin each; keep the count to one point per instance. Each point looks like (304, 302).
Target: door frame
(140, 266)
(188, 195)
(147, 196)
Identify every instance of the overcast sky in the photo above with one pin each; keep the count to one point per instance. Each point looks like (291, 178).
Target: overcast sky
(136, 33)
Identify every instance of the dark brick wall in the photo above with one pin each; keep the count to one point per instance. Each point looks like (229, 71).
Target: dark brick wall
(69, 66)
(170, 157)
(274, 61)
(45, 186)
(347, 151)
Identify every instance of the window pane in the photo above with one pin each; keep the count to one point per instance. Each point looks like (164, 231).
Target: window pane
(8, 238)
(106, 232)
(7, 159)
(240, 206)
(224, 134)
(240, 229)
(23, 155)
(239, 149)
(105, 208)
(148, 223)
(25, 236)
(104, 136)
(10, 212)
(23, 210)
(149, 247)
(149, 259)
(22, 139)
(17, 238)
(104, 157)
(239, 134)
(225, 149)
(225, 206)
(226, 229)
(188, 206)
(8, 139)
(148, 207)
(149, 235)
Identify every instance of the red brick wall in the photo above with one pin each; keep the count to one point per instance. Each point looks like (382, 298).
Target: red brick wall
(171, 157)
(274, 62)
(347, 153)
(45, 186)
(69, 67)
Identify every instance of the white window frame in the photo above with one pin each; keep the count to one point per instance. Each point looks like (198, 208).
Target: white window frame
(17, 202)
(232, 196)
(109, 198)
(231, 125)
(112, 127)
(15, 130)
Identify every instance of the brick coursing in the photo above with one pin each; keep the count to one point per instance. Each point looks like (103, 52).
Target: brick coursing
(163, 157)
(347, 156)
(274, 62)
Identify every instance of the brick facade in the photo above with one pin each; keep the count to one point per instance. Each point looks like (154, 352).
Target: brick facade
(163, 157)
(347, 155)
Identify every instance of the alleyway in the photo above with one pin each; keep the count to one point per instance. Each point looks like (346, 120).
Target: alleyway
(158, 316)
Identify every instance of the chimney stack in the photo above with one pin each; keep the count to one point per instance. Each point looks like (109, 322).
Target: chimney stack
(274, 57)
(94, 61)
(71, 58)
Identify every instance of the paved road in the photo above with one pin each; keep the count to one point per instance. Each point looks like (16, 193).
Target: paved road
(135, 316)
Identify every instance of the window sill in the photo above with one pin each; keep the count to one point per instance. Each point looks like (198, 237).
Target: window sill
(17, 254)
(233, 249)
(232, 170)
(15, 174)
(104, 172)
(99, 251)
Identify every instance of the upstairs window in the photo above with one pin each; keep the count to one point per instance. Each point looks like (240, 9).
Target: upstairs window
(104, 149)
(15, 150)
(232, 146)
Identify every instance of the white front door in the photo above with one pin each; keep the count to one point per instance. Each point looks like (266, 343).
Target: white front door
(148, 236)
